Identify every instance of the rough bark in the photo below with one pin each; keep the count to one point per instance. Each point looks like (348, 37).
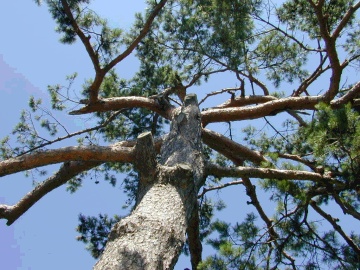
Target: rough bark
(152, 236)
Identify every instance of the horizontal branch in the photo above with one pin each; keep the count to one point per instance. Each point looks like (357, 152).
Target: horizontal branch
(118, 103)
(114, 153)
(261, 110)
(67, 171)
(233, 183)
(244, 101)
(263, 173)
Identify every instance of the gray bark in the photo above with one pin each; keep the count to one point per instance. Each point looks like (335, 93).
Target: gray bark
(152, 236)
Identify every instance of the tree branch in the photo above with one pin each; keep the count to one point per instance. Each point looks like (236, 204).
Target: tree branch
(336, 227)
(93, 56)
(118, 103)
(253, 112)
(106, 122)
(137, 40)
(351, 94)
(230, 149)
(233, 183)
(263, 173)
(72, 153)
(346, 207)
(345, 20)
(244, 101)
(67, 171)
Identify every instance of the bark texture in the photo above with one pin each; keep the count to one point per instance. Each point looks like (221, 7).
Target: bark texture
(153, 235)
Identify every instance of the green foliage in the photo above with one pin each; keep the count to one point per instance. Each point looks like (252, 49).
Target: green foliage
(94, 231)
(235, 245)
(299, 14)
(334, 136)
(282, 58)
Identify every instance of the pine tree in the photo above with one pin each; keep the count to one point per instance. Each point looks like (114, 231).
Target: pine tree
(291, 105)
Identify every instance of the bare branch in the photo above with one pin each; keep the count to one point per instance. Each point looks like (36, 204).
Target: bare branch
(316, 74)
(297, 158)
(72, 153)
(118, 103)
(233, 183)
(251, 172)
(298, 42)
(107, 121)
(247, 100)
(253, 112)
(230, 149)
(251, 192)
(67, 171)
(225, 90)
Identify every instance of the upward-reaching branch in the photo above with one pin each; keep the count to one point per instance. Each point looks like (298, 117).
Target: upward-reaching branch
(101, 72)
(90, 50)
(137, 40)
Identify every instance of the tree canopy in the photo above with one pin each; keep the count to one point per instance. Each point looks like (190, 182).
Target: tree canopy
(284, 127)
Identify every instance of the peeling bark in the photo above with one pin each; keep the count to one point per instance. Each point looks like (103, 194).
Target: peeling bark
(152, 236)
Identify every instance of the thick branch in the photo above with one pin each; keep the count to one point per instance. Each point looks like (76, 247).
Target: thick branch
(230, 149)
(251, 172)
(253, 112)
(67, 171)
(244, 101)
(118, 103)
(72, 153)
(330, 43)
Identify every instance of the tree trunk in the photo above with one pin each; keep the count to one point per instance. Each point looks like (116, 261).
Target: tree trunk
(152, 236)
